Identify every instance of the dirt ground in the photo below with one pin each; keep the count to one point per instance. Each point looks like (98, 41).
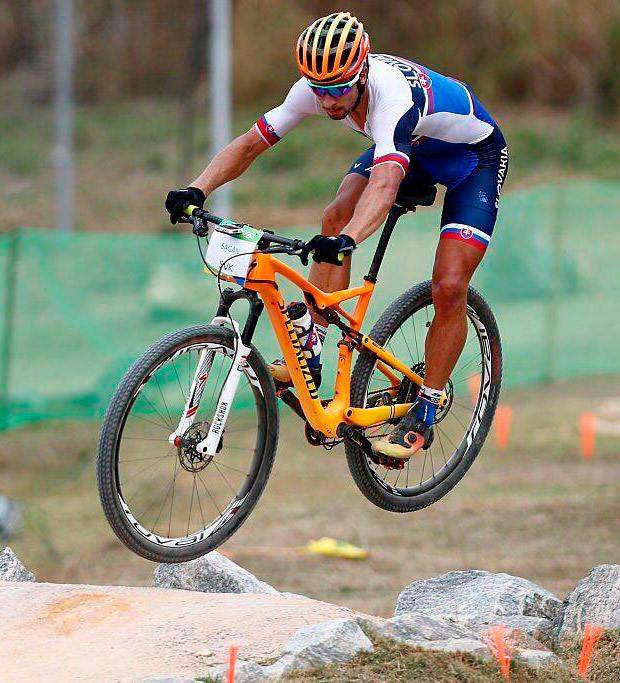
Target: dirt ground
(86, 633)
(536, 510)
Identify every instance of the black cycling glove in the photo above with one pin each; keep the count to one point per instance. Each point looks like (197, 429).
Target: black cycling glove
(328, 249)
(178, 200)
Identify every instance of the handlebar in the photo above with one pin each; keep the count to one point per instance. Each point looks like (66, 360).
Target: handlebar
(196, 212)
(293, 247)
(268, 236)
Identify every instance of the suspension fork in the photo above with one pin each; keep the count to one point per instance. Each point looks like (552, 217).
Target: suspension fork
(239, 364)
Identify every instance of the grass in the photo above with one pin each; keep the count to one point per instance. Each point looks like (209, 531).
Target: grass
(537, 510)
(128, 155)
(392, 662)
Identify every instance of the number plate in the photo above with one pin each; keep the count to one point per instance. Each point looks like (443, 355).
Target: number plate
(229, 255)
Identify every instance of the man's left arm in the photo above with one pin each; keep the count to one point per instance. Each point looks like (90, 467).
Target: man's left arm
(375, 202)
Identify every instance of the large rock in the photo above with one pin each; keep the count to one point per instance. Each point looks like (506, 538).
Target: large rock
(10, 518)
(212, 573)
(478, 598)
(329, 642)
(439, 633)
(412, 627)
(11, 569)
(245, 672)
(595, 600)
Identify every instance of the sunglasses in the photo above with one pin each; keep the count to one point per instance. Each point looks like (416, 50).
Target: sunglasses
(336, 91)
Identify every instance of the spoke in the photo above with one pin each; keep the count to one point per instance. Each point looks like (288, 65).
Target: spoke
(423, 467)
(415, 336)
(458, 420)
(155, 464)
(174, 479)
(144, 438)
(199, 504)
(161, 509)
(209, 494)
(430, 452)
(179, 381)
(469, 362)
(406, 343)
(242, 429)
(465, 379)
(473, 339)
(191, 502)
(142, 395)
(460, 405)
(449, 439)
(189, 371)
(407, 482)
(157, 424)
(443, 452)
(224, 478)
(230, 467)
(163, 399)
(151, 457)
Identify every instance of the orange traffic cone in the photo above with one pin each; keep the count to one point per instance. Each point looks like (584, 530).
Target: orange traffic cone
(503, 424)
(500, 642)
(591, 635)
(232, 662)
(587, 432)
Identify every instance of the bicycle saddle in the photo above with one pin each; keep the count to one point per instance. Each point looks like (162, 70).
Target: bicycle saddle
(409, 198)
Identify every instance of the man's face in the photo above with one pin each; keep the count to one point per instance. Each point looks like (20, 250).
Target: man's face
(339, 108)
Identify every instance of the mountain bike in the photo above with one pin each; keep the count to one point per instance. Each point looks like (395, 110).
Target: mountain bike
(189, 438)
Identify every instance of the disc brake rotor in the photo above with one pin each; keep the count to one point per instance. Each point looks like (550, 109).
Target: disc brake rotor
(189, 457)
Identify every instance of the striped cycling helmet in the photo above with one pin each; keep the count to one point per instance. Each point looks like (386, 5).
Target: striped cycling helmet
(333, 49)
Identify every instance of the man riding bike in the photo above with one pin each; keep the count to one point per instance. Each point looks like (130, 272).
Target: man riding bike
(427, 129)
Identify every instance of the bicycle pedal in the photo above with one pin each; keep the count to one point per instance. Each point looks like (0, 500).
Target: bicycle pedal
(391, 463)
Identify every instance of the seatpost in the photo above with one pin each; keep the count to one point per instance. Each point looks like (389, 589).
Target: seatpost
(394, 214)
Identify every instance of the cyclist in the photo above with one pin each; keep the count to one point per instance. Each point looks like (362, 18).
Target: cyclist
(427, 129)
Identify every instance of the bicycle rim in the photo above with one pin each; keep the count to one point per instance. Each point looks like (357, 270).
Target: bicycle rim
(170, 494)
(458, 423)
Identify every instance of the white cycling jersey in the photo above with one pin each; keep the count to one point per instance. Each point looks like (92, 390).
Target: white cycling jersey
(409, 106)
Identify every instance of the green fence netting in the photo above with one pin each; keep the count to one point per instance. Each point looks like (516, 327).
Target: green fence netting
(75, 310)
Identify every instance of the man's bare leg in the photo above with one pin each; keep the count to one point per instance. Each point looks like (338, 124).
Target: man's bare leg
(455, 263)
(323, 275)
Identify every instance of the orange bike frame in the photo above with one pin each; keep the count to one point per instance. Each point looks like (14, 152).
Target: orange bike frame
(326, 418)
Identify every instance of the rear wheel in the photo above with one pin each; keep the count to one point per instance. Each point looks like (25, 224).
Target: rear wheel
(165, 501)
(461, 425)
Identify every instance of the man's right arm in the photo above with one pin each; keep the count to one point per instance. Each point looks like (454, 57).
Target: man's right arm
(231, 162)
(235, 158)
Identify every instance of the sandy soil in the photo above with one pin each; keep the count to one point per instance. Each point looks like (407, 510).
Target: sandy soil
(57, 632)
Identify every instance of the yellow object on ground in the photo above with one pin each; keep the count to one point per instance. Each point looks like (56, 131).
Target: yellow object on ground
(333, 548)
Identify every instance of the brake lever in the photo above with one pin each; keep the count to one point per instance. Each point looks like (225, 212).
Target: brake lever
(198, 227)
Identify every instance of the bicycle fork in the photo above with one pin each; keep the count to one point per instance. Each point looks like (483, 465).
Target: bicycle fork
(209, 445)
(239, 366)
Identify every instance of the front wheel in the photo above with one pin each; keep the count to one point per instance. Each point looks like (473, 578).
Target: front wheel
(167, 502)
(461, 425)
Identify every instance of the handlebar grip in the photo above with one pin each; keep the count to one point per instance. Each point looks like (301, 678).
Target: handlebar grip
(209, 217)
